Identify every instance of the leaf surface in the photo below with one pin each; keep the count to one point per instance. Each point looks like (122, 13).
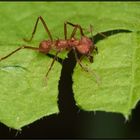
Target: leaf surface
(25, 94)
(113, 83)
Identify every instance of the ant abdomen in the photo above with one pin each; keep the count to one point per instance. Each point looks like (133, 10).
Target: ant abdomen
(45, 46)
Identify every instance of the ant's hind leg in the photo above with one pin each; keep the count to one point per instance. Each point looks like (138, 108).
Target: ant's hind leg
(35, 27)
(18, 49)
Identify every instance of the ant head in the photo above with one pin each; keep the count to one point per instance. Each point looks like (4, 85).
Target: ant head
(87, 41)
(45, 46)
(85, 45)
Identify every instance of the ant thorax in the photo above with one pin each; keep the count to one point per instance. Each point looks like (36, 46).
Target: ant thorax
(60, 44)
(73, 42)
(67, 44)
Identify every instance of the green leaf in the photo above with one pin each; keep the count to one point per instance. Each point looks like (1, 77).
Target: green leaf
(25, 96)
(113, 83)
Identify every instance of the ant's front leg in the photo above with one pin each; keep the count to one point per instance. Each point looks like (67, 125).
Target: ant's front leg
(84, 67)
(35, 27)
(79, 61)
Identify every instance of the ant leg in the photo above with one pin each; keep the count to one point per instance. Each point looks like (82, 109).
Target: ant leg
(52, 63)
(35, 27)
(73, 32)
(76, 26)
(65, 30)
(90, 58)
(91, 30)
(79, 61)
(84, 67)
(93, 46)
(102, 34)
(23, 47)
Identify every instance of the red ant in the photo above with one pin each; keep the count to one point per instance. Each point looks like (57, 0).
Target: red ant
(84, 46)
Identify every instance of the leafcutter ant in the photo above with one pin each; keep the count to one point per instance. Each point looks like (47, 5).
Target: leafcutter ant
(83, 46)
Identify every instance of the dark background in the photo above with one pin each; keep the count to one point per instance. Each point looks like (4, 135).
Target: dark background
(72, 122)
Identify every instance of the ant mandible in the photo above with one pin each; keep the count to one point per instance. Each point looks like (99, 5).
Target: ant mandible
(84, 46)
